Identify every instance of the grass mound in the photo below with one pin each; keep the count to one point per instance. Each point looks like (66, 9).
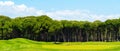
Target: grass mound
(22, 40)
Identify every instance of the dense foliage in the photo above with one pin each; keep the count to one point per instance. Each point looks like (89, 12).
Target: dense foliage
(43, 28)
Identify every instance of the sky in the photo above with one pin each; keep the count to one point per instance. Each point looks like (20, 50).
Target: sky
(80, 10)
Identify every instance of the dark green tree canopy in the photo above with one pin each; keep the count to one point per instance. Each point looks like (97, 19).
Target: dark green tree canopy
(43, 28)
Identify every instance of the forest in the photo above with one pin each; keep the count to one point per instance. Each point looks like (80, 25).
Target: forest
(44, 28)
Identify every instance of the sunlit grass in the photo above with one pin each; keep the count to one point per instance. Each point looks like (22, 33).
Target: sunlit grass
(82, 47)
(21, 44)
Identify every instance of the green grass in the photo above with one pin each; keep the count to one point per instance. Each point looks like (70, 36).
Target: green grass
(20, 44)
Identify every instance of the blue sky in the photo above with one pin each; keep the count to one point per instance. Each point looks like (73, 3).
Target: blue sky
(89, 10)
(98, 6)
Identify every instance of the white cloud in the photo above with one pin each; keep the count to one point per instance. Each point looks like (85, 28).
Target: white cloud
(6, 3)
(9, 8)
(80, 15)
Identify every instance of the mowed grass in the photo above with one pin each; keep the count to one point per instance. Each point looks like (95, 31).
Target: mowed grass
(20, 44)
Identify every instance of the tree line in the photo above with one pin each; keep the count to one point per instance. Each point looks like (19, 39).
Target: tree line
(43, 28)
